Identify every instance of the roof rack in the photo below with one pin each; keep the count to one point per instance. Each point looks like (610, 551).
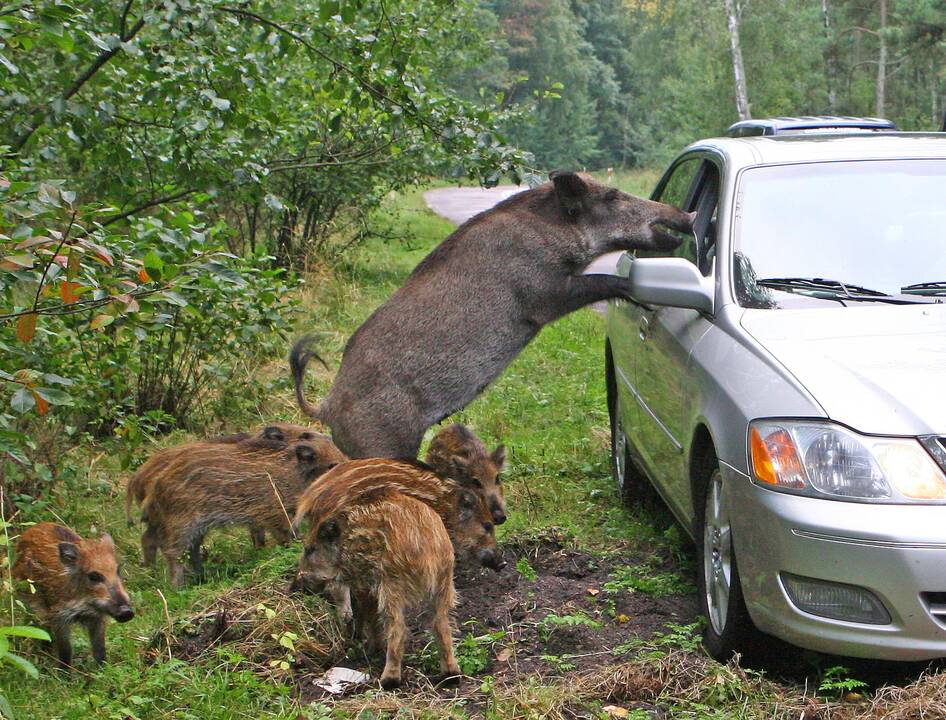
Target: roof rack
(809, 124)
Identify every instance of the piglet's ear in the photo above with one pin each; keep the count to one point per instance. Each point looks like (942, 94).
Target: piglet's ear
(305, 454)
(271, 432)
(68, 554)
(499, 458)
(466, 504)
(329, 531)
(107, 542)
(570, 190)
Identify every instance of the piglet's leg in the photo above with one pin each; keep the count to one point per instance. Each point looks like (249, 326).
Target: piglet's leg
(149, 545)
(96, 630)
(341, 597)
(396, 634)
(62, 641)
(442, 632)
(257, 536)
(197, 559)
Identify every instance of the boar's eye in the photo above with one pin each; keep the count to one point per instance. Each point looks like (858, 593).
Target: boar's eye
(306, 436)
(611, 195)
(488, 527)
(498, 479)
(96, 577)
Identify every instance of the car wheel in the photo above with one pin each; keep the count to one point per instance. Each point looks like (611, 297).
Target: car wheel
(631, 485)
(729, 628)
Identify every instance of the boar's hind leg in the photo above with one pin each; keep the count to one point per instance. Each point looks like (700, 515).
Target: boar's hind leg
(62, 641)
(366, 622)
(442, 632)
(396, 633)
(96, 628)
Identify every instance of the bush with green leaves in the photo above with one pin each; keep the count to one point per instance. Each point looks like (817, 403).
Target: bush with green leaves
(148, 326)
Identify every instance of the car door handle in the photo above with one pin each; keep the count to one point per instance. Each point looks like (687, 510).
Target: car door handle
(644, 327)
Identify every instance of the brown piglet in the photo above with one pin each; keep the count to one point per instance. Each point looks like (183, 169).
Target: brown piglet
(457, 453)
(463, 512)
(391, 553)
(168, 460)
(72, 580)
(259, 489)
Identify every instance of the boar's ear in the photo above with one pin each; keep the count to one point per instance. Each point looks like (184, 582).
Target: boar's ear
(498, 457)
(106, 541)
(570, 190)
(328, 531)
(68, 554)
(305, 454)
(271, 432)
(466, 503)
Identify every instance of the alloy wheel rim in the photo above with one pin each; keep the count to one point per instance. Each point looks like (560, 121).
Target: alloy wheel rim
(717, 554)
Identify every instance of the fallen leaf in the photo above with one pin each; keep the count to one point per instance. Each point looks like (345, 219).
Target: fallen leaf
(504, 654)
(616, 711)
(593, 591)
(622, 618)
(853, 697)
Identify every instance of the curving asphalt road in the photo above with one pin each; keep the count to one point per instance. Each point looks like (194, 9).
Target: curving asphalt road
(459, 204)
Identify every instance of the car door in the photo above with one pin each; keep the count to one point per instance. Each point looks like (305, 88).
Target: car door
(665, 337)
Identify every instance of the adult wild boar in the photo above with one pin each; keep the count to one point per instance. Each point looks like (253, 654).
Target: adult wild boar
(474, 303)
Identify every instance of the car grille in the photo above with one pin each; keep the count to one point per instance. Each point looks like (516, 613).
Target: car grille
(936, 446)
(935, 603)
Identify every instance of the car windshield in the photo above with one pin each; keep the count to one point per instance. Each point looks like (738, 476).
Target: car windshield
(819, 234)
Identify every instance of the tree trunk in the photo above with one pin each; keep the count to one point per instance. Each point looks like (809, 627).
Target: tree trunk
(830, 61)
(881, 93)
(739, 73)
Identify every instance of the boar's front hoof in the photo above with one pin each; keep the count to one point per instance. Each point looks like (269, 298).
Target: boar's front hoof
(390, 682)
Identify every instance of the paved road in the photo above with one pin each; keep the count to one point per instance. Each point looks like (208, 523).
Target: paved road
(459, 204)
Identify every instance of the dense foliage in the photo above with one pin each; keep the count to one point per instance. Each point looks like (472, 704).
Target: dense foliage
(625, 82)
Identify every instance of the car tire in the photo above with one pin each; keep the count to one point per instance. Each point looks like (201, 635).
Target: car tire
(631, 484)
(729, 629)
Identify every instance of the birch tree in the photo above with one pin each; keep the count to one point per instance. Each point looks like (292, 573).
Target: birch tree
(739, 72)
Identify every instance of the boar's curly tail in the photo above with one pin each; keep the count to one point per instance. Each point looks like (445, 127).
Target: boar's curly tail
(299, 358)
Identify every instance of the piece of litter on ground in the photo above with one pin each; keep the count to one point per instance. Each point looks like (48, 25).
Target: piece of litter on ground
(616, 711)
(504, 654)
(593, 591)
(338, 680)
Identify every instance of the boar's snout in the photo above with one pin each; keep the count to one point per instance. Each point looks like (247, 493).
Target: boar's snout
(492, 559)
(124, 613)
(499, 515)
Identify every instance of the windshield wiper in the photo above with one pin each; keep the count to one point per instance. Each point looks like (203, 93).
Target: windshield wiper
(925, 288)
(838, 290)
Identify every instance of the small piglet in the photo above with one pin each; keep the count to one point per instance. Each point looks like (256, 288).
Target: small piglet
(258, 489)
(462, 511)
(457, 453)
(75, 580)
(391, 553)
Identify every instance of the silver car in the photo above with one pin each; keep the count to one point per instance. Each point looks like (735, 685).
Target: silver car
(781, 382)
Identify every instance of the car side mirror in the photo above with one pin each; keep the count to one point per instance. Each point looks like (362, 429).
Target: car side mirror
(668, 281)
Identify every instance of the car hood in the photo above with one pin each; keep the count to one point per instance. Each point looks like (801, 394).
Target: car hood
(876, 368)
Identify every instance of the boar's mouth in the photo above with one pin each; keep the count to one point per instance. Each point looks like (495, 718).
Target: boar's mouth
(661, 239)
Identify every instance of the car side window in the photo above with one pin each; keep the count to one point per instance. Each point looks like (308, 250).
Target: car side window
(678, 191)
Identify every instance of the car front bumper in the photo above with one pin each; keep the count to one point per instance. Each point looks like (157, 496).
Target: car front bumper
(898, 552)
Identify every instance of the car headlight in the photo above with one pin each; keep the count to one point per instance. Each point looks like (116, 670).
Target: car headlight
(821, 459)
